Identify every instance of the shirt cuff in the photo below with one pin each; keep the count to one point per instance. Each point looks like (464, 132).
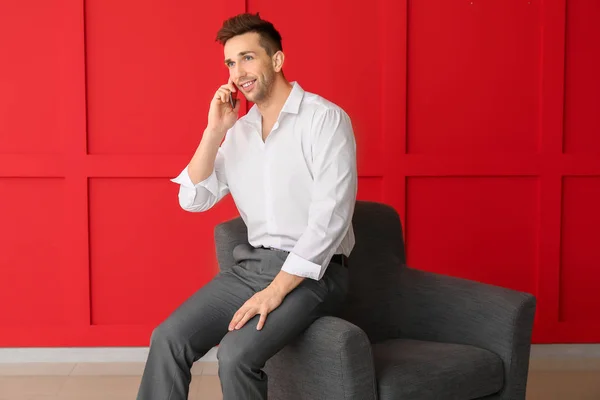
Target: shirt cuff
(299, 266)
(211, 183)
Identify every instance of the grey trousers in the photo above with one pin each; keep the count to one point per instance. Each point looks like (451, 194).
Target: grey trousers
(202, 321)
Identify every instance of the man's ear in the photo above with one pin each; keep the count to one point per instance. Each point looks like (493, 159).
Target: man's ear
(278, 59)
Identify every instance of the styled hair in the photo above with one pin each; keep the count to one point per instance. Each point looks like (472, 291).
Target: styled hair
(270, 39)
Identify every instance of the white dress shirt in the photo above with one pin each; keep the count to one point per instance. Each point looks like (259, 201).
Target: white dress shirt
(296, 191)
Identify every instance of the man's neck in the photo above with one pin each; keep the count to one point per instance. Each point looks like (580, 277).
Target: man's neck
(271, 108)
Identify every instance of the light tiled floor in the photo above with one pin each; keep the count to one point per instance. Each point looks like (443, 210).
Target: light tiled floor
(548, 380)
(92, 381)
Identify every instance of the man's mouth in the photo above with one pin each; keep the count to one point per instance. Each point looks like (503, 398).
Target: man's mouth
(247, 86)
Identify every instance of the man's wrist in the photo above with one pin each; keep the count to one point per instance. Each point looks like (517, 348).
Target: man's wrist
(277, 290)
(214, 133)
(284, 283)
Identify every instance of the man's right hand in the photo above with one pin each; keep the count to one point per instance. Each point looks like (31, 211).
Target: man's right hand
(221, 117)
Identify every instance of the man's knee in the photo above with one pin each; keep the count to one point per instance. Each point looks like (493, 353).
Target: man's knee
(166, 334)
(233, 354)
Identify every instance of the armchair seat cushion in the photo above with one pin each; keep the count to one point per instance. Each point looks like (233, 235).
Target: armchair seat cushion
(413, 369)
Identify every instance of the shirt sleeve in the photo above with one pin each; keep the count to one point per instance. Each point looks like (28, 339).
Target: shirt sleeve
(333, 196)
(205, 194)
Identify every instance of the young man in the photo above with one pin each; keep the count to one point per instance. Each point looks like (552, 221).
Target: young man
(290, 165)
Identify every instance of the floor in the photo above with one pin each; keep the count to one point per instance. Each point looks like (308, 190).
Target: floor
(548, 380)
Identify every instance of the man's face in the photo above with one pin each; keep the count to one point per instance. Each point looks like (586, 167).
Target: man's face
(250, 67)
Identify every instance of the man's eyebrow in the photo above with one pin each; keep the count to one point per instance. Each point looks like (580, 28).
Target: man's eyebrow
(240, 54)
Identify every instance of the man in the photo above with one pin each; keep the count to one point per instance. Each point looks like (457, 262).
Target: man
(290, 165)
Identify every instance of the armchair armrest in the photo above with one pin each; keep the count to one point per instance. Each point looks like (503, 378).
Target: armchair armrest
(442, 308)
(331, 360)
(228, 235)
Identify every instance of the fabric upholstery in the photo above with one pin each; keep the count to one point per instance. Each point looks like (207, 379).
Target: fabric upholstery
(332, 360)
(418, 370)
(396, 318)
(448, 309)
(375, 266)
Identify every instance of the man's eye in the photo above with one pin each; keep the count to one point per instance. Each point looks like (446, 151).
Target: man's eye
(248, 58)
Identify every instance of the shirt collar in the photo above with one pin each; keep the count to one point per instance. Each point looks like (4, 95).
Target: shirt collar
(291, 105)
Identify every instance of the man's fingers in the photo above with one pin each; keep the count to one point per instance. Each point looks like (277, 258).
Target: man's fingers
(261, 321)
(228, 88)
(231, 85)
(223, 94)
(249, 314)
(232, 323)
(236, 318)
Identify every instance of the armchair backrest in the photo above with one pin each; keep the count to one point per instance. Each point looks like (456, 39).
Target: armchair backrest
(375, 265)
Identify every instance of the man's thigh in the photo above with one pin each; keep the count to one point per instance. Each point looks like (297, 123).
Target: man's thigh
(300, 308)
(203, 319)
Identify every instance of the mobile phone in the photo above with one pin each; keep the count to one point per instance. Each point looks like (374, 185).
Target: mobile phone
(232, 99)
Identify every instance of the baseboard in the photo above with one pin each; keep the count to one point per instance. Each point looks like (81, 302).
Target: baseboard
(543, 351)
(82, 355)
(139, 354)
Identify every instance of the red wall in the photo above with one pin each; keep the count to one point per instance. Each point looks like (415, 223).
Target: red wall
(475, 119)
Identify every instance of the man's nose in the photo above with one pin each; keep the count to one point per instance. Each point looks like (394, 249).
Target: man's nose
(237, 72)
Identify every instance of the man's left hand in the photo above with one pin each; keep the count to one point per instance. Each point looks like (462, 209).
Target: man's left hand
(261, 303)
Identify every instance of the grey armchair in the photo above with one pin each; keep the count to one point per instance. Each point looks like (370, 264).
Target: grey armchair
(403, 333)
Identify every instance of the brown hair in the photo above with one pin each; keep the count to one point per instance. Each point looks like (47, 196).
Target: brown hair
(270, 39)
